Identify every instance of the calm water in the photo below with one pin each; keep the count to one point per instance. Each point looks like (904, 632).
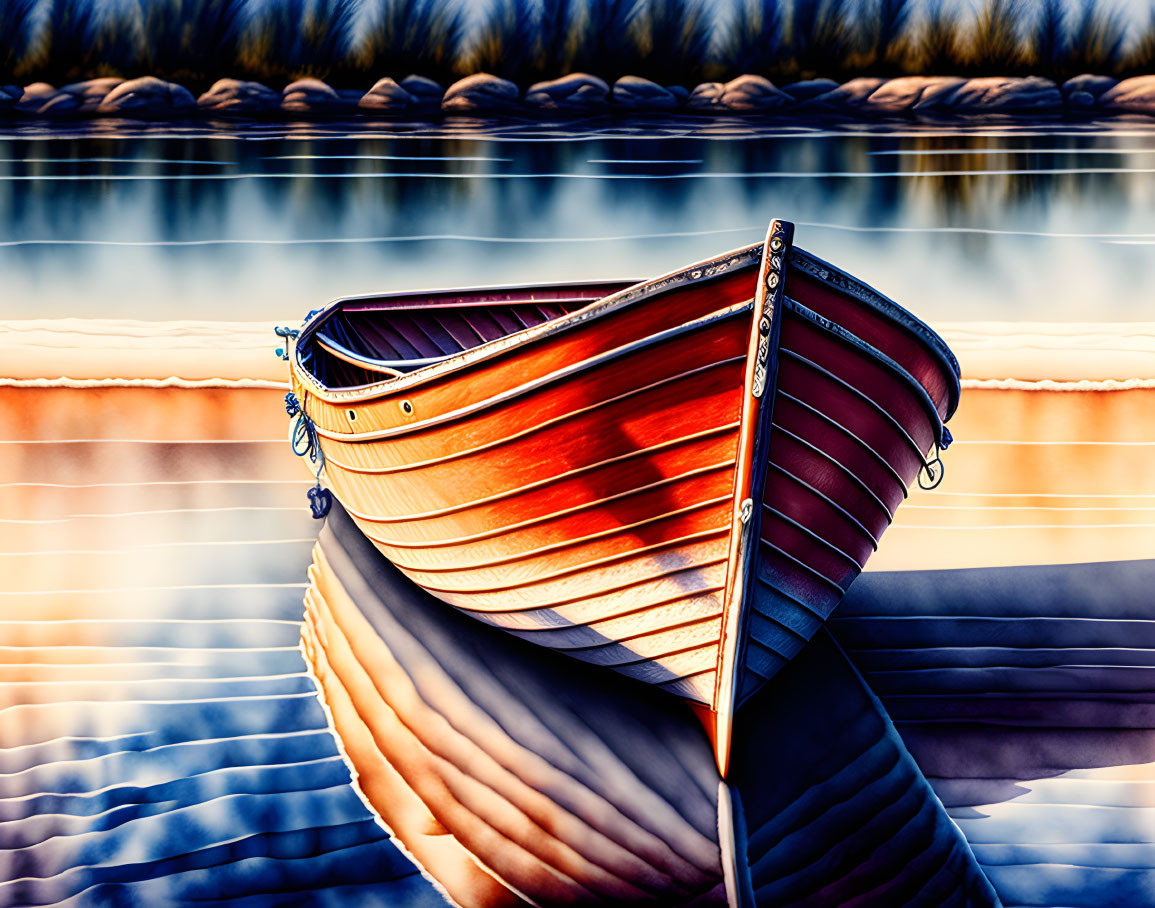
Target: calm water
(160, 740)
(1018, 222)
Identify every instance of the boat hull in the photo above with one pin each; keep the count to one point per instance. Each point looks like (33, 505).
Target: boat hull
(677, 482)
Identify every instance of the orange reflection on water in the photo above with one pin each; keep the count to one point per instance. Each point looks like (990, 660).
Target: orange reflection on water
(1035, 477)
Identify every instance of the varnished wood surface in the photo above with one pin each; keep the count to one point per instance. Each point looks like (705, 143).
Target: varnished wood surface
(582, 488)
(424, 327)
(591, 512)
(849, 435)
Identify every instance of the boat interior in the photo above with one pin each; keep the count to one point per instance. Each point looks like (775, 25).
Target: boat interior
(364, 340)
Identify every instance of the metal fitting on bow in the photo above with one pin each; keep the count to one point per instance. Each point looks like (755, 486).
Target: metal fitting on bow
(288, 334)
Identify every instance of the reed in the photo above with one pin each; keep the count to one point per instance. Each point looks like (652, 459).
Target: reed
(15, 36)
(819, 37)
(1141, 56)
(752, 41)
(995, 44)
(938, 49)
(411, 36)
(193, 42)
(287, 39)
(790, 39)
(354, 42)
(79, 39)
(885, 30)
(508, 42)
(1050, 41)
(671, 41)
(528, 40)
(602, 37)
(1096, 42)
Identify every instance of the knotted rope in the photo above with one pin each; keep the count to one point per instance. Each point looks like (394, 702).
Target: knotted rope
(303, 438)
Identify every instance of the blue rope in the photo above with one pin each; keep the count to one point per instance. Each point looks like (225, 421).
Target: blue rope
(306, 444)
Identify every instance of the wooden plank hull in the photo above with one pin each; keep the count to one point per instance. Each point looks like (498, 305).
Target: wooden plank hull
(590, 482)
(510, 776)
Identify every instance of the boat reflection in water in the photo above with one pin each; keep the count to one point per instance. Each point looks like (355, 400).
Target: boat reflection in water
(510, 776)
(678, 480)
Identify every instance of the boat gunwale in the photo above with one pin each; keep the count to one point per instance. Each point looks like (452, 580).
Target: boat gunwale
(809, 264)
(411, 364)
(393, 295)
(862, 292)
(706, 271)
(549, 423)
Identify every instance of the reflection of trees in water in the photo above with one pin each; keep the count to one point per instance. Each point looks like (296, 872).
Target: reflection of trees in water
(315, 206)
(954, 196)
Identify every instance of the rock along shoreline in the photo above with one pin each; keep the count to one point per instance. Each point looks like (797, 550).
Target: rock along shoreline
(580, 94)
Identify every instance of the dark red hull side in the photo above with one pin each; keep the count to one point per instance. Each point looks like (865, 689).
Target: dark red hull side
(857, 413)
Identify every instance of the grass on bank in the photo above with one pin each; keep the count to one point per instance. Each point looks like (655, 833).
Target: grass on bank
(353, 42)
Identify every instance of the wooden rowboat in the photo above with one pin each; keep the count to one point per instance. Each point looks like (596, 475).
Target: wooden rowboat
(676, 479)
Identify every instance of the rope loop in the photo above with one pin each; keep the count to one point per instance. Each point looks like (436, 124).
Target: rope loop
(305, 442)
(303, 434)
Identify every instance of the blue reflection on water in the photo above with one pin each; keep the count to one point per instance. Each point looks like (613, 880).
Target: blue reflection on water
(1049, 221)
